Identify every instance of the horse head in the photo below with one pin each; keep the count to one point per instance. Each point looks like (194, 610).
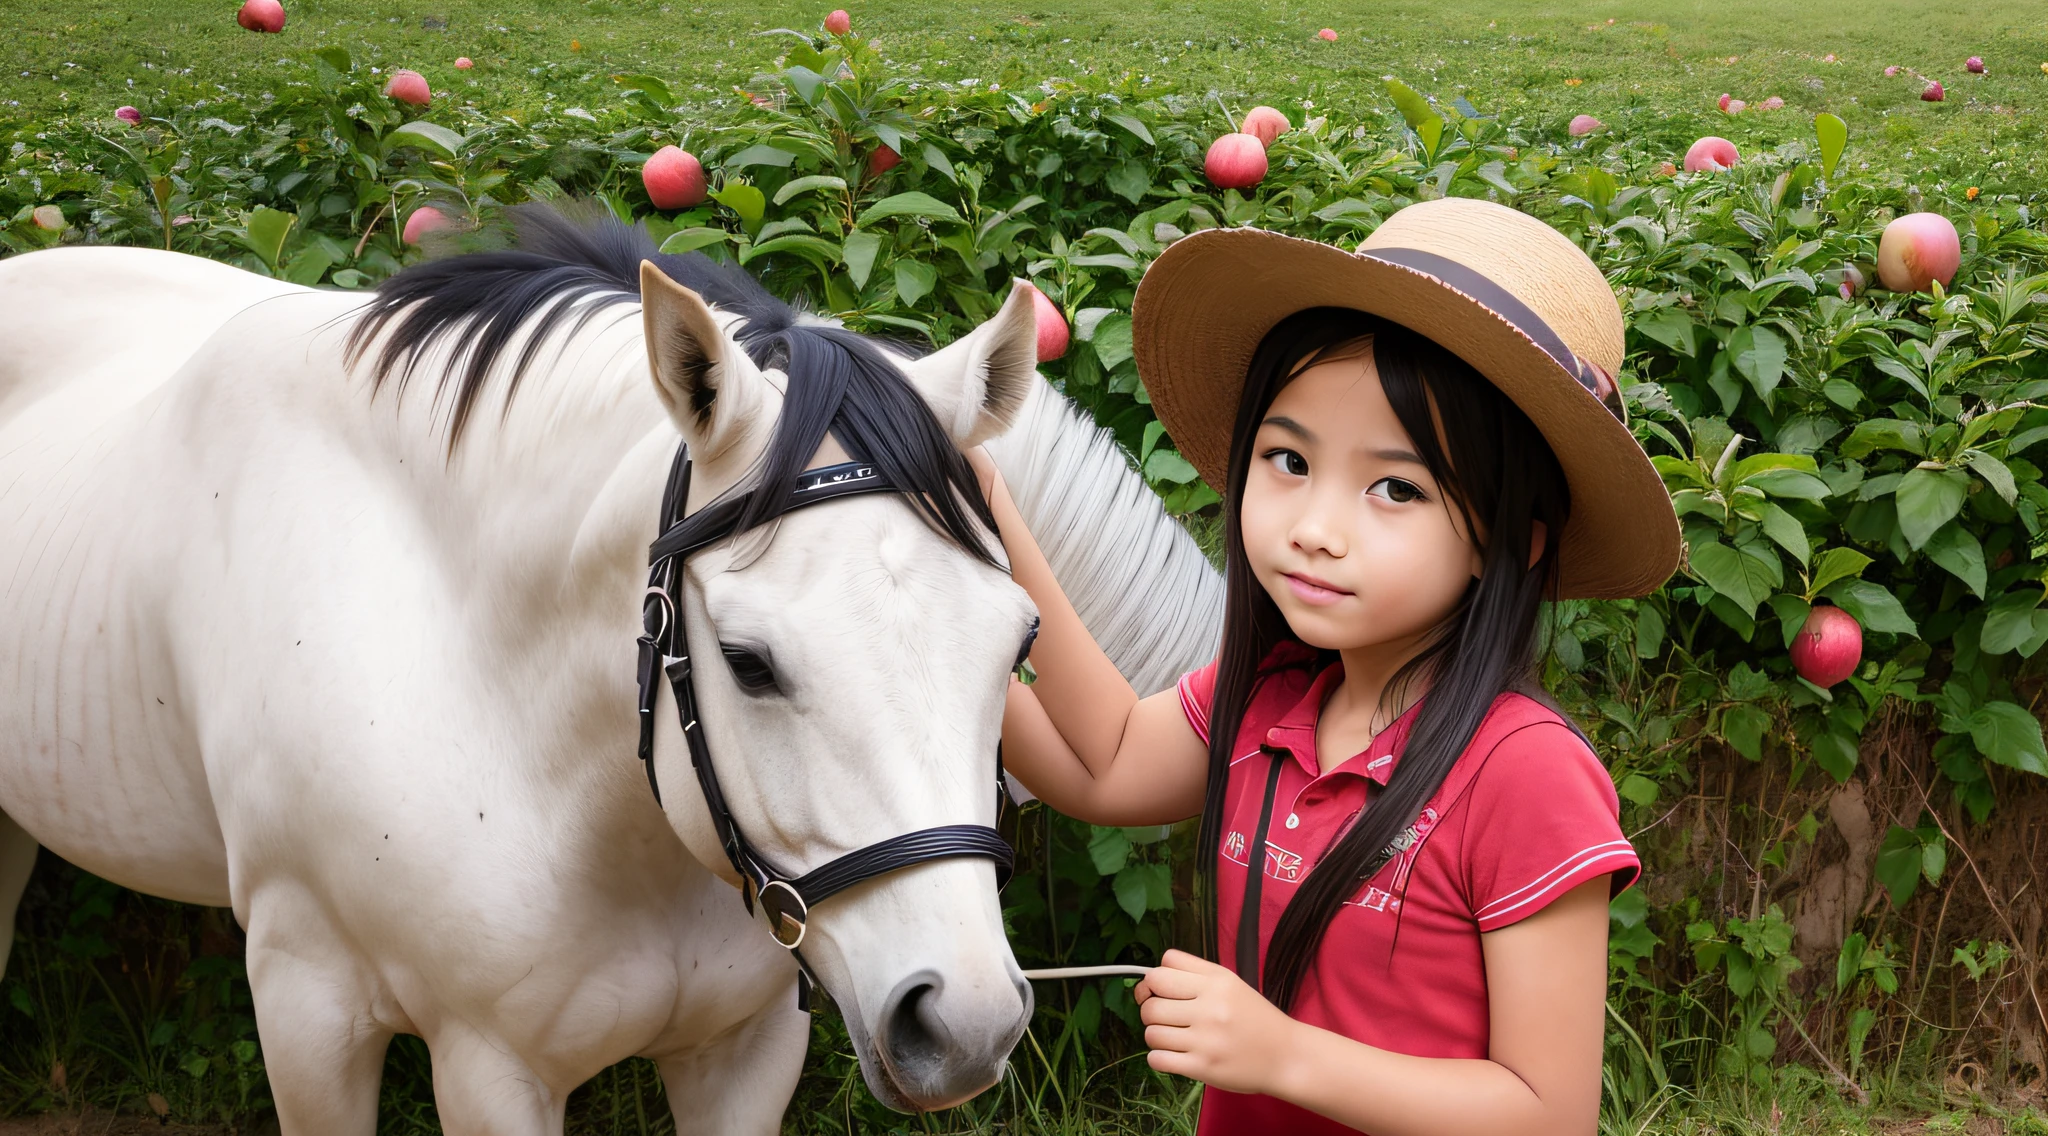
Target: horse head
(853, 657)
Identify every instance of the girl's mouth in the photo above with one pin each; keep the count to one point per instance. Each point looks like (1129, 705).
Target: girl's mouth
(1310, 590)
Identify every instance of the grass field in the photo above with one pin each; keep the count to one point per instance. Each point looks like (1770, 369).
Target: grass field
(1519, 57)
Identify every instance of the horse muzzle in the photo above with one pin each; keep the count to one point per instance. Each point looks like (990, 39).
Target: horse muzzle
(933, 1047)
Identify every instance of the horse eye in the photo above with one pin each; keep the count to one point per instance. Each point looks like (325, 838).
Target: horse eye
(1030, 637)
(752, 671)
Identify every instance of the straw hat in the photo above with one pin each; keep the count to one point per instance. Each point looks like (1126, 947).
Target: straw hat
(1503, 291)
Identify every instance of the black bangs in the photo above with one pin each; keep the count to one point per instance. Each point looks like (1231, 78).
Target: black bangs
(565, 270)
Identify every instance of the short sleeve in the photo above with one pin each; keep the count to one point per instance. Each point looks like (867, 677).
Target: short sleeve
(1197, 688)
(1544, 819)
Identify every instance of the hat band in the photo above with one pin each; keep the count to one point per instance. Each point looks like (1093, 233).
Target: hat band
(1503, 303)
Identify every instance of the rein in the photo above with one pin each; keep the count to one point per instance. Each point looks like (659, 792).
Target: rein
(665, 651)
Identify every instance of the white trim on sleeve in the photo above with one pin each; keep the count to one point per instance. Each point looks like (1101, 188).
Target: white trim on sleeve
(1542, 885)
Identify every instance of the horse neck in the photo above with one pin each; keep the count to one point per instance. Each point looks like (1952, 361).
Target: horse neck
(1136, 578)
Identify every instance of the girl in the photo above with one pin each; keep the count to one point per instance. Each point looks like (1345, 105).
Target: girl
(1410, 851)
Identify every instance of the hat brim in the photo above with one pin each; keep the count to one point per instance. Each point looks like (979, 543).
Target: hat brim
(1205, 304)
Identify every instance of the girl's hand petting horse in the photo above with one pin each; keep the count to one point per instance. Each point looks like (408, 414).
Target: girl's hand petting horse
(1204, 1022)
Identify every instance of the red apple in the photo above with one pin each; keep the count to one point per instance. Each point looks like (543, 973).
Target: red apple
(1327, 35)
(838, 22)
(422, 221)
(1974, 65)
(464, 63)
(1582, 125)
(261, 16)
(882, 159)
(1724, 101)
(1235, 161)
(1736, 106)
(674, 179)
(1891, 71)
(1829, 647)
(1052, 326)
(48, 217)
(1916, 249)
(408, 86)
(129, 115)
(1265, 124)
(1711, 155)
(1932, 92)
(1772, 103)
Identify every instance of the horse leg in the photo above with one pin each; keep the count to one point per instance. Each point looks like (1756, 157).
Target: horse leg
(483, 1088)
(739, 1083)
(323, 1050)
(17, 860)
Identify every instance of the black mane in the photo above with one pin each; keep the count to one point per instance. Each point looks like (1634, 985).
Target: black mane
(562, 269)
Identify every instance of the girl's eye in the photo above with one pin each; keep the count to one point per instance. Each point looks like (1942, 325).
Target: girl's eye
(1396, 490)
(751, 670)
(1288, 462)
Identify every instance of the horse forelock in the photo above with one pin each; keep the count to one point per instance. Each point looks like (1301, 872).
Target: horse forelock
(566, 266)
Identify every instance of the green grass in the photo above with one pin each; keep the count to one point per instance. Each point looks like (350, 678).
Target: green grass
(1515, 56)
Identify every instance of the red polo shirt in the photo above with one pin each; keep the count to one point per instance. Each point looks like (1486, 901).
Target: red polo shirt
(1525, 815)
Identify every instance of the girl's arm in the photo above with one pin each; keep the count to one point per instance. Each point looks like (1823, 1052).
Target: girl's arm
(1546, 984)
(1079, 737)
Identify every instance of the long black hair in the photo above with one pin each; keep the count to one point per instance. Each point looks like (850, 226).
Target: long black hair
(1500, 474)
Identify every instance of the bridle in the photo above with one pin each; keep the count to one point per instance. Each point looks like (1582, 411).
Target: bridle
(665, 648)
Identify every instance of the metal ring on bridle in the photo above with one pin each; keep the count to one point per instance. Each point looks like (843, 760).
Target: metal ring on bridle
(665, 606)
(780, 918)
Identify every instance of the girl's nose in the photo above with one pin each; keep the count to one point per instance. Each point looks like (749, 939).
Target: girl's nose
(1319, 529)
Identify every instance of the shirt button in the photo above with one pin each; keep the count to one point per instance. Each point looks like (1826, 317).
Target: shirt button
(1293, 820)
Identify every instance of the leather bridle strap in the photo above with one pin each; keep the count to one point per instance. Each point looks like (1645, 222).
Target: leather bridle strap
(664, 650)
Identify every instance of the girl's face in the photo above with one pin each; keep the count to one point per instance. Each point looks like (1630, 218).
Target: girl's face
(1342, 523)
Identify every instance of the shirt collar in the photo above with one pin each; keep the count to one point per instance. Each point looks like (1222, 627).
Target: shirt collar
(1295, 732)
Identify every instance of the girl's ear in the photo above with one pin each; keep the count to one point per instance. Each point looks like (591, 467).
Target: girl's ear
(711, 388)
(978, 383)
(1539, 534)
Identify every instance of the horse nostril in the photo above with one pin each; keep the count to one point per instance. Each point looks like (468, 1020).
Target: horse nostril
(916, 1039)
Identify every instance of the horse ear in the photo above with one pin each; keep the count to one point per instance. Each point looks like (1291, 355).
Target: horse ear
(978, 383)
(709, 385)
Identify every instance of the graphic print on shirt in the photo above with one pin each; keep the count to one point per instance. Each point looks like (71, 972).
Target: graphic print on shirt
(1374, 898)
(1282, 865)
(1233, 849)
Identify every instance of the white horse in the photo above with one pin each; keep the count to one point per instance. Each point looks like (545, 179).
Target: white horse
(360, 665)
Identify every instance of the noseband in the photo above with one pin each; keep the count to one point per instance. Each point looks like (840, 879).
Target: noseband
(665, 648)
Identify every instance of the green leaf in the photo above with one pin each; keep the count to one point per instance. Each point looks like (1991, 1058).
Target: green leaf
(1112, 340)
(1794, 483)
(1639, 789)
(911, 204)
(1850, 961)
(1786, 530)
(1744, 727)
(1143, 887)
(914, 281)
(686, 240)
(1739, 577)
(760, 154)
(1672, 328)
(1413, 107)
(1166, 465)
(426, 136)
(1836, 564)
(1108, 849)
(651, 85)
(806, 245)
(1133, 125)
(1873, 605)
(1994, 472)
(750, 203)
(2012, 621)
(808, 183)
(1834, 138)
(311, 263)
(859, 250)
(1759, 354)
(936, 159)
(1898, 864)
(267, 229)
(1929, 499)
(1954, 548)
(1836, 754)
(1129, 180)
(2007, 734)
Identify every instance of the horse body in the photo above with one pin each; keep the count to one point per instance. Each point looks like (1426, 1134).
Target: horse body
(269, 643)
